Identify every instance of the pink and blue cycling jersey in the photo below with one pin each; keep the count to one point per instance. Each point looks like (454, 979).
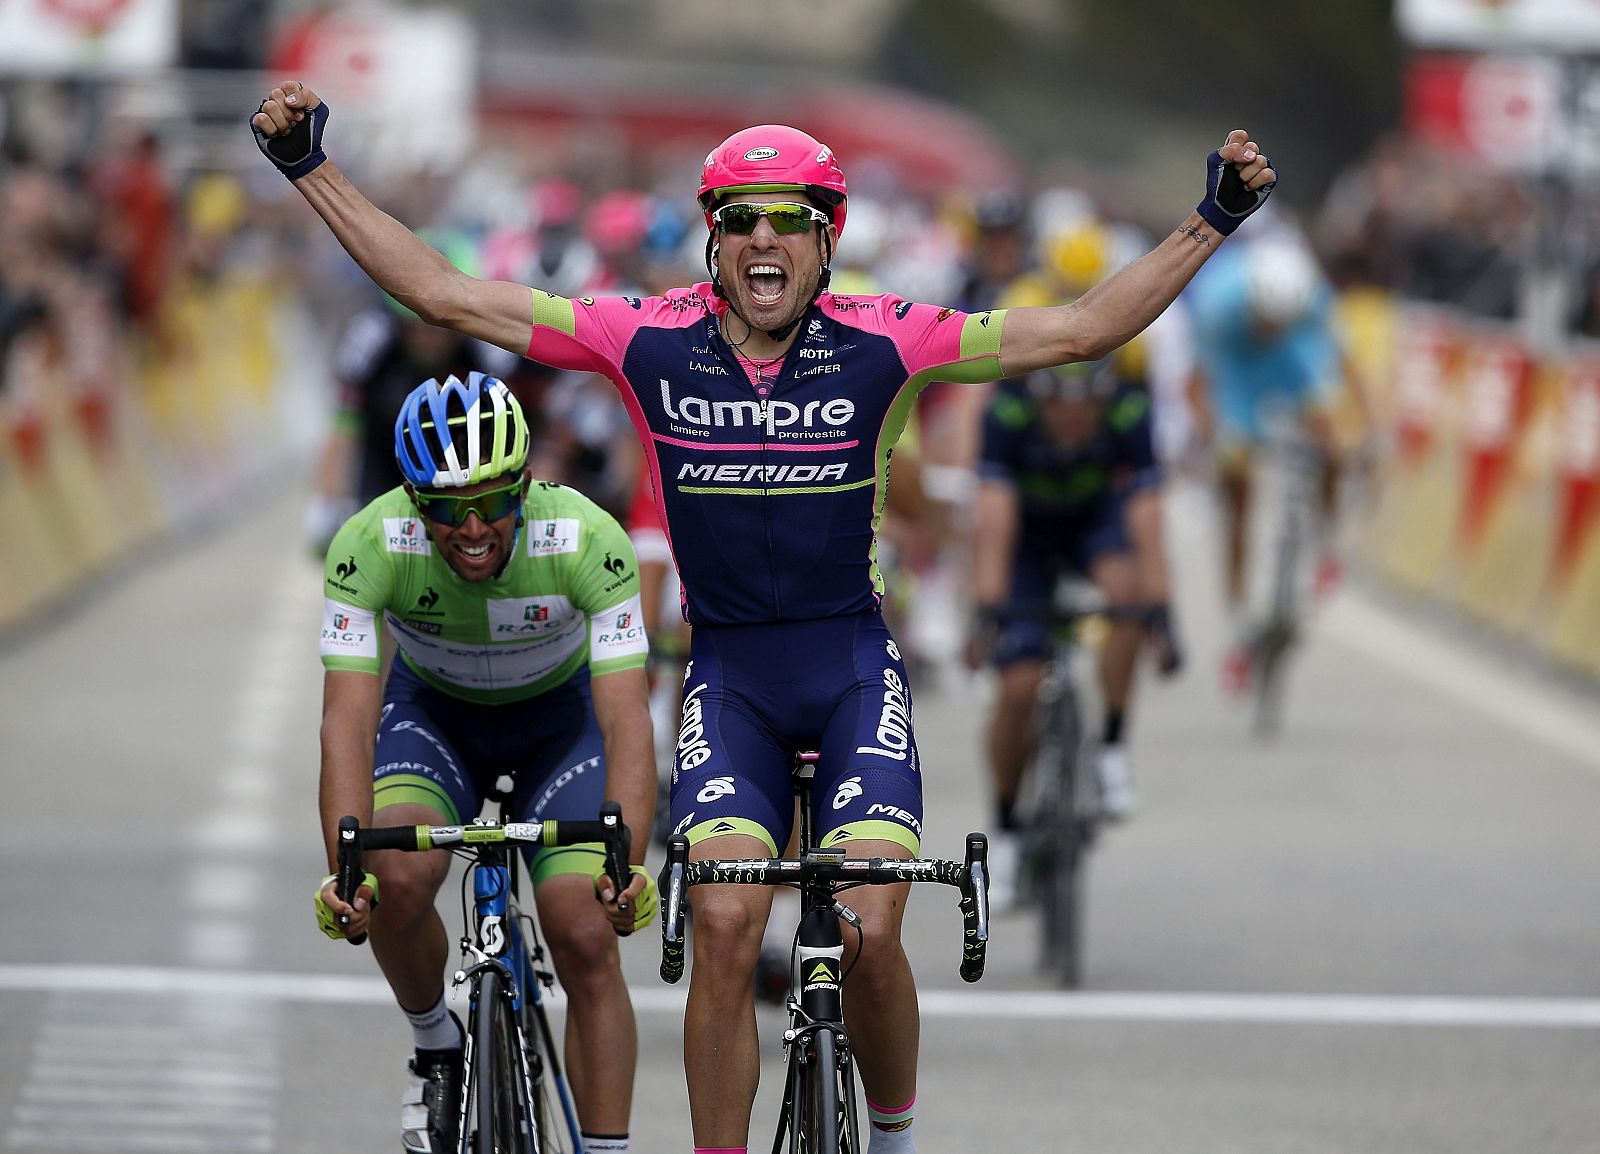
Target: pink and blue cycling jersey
(770, 493)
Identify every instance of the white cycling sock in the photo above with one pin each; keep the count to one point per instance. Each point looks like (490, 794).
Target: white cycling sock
(891, 1128)
(891, 1142)
(435, 1028)
(605, 1143)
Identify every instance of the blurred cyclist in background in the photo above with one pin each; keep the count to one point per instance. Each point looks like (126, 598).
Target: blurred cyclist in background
(381, 355)
(1068, 480)
(514, 607)
(768, 406)
(1265, 347)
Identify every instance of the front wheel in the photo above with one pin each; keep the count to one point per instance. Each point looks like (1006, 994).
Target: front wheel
(824, 1109)
(498, 1103)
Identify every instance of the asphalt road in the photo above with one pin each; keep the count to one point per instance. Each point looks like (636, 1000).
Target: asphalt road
(1377, 933)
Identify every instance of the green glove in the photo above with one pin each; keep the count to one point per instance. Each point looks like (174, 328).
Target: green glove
(644, 903)
(328, 921)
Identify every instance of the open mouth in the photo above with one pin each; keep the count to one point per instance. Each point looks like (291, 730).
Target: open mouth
(766, 284)
(476, 554)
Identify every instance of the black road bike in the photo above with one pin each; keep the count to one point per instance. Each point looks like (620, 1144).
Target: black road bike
(1064, 815)
(819, 1097)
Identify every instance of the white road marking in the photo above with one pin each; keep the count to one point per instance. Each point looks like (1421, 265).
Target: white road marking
(1284, 1009)
(230, 834)
(218, 888)
(156, 1142)
(175, 1073)
(239, 824)
(189, 1080)
(1543, 710)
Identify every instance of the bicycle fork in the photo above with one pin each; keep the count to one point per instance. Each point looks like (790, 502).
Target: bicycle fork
(500, 946)
(819, 1008)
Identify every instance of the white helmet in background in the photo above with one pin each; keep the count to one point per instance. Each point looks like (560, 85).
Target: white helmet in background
(1281, 282)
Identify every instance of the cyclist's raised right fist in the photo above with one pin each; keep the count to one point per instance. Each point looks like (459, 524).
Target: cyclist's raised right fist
(1238, 181)
(288, 128)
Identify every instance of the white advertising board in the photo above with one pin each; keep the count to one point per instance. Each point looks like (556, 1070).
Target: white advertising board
(1557, 25)
(87, 36)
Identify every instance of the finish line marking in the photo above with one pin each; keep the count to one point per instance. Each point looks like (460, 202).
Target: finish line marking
(1276, 1009)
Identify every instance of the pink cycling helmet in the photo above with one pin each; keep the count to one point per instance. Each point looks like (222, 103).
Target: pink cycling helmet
(774, 158)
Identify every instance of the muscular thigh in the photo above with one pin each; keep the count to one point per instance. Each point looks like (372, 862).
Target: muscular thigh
(731, 768)
(754, 696)
(868, 785)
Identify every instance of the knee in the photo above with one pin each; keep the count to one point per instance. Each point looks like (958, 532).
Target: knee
(728, 934)
(882, 961)
(584, 952)
(407, 886)
(1019, 687)
(1121, 589)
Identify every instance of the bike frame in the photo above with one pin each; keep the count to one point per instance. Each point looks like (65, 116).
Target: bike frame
(501, 943)
(816, 986)
(1298, 463)
(1063, 826)
(816, 1034)
(496, 942)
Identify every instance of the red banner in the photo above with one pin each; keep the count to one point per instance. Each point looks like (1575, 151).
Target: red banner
(1577, 463)
(1424, 358)
(1497, 380)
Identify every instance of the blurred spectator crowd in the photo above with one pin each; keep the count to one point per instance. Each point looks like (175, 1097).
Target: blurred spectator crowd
(94, 240)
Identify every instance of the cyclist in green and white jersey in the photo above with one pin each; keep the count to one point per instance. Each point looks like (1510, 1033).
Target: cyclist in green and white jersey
(514, 605)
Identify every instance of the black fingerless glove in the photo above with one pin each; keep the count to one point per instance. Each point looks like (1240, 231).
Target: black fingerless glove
(299, 150)
(1227, 201)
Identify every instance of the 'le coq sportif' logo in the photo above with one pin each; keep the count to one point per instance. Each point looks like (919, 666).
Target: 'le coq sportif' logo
(614, 565)
(429, 598)
(342, 573)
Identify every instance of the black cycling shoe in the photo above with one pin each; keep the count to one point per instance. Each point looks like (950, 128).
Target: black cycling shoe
(432, 1099)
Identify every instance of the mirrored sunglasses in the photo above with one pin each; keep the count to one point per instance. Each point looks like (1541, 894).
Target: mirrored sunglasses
(450, 509)
(786, 219)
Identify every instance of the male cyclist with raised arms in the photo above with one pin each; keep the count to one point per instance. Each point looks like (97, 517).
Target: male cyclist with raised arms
(768, 408)
(514, 605)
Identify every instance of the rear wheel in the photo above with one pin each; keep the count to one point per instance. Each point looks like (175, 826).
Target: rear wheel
(1271, 657)
(496, 1073)
(1063, 826)
(1061, 900)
